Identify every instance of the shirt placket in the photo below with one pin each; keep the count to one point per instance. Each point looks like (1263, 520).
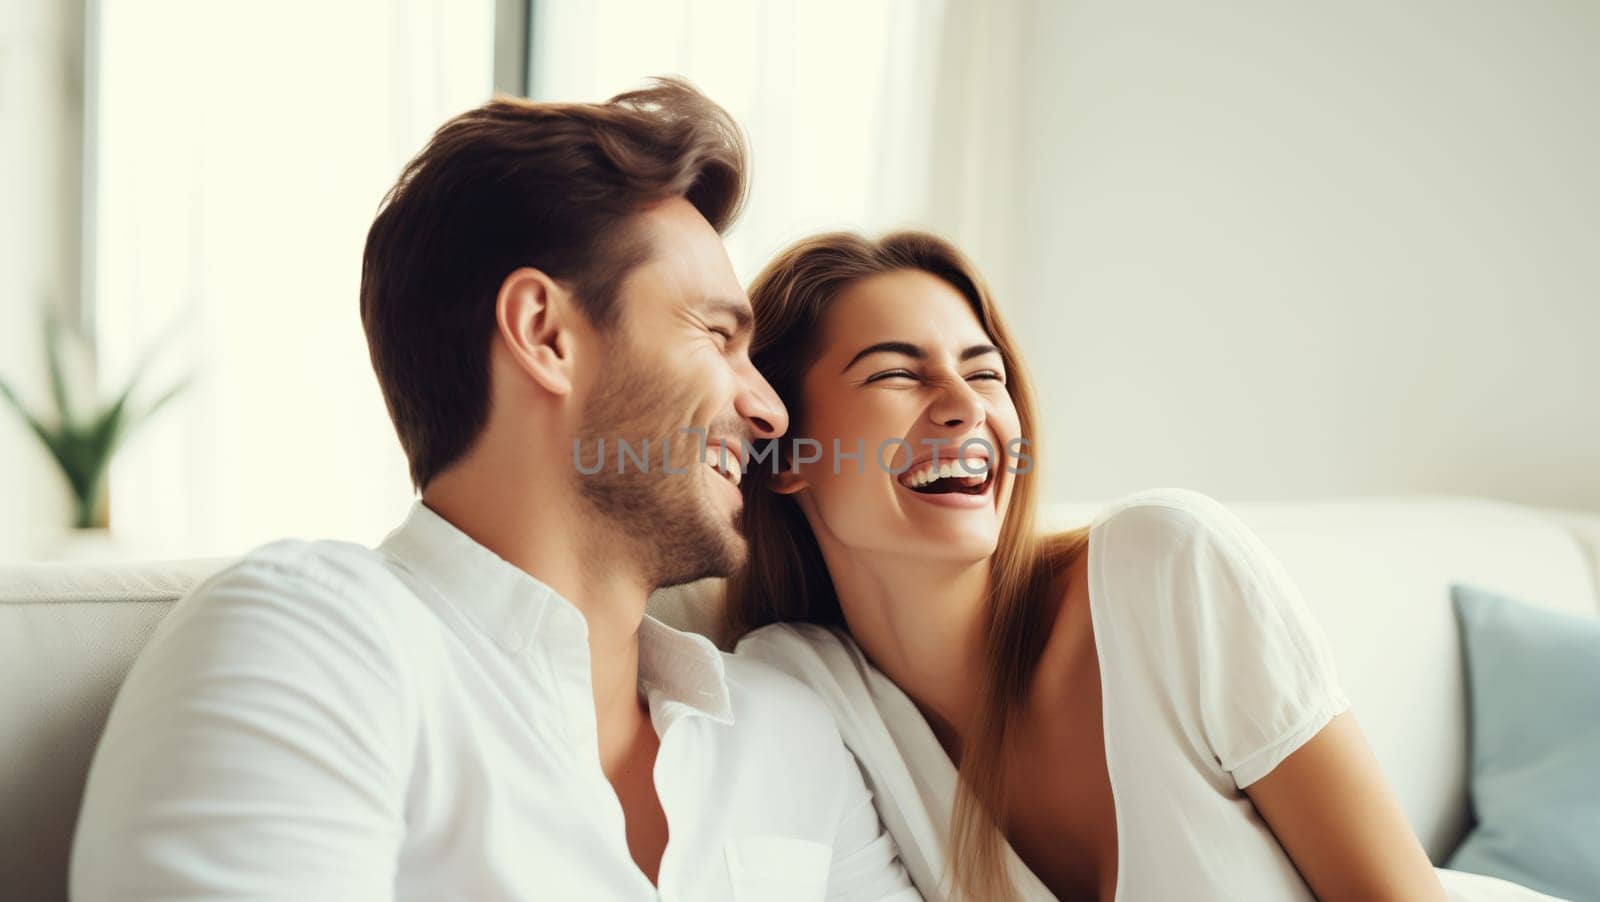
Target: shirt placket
(568, 651)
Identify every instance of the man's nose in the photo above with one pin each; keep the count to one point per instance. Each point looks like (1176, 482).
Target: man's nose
(760, 406)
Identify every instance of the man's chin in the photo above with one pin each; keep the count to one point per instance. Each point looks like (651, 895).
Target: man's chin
(738, 551)
(735, 551)
(731, 552)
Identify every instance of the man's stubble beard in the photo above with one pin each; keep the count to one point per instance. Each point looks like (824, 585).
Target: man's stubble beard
(662, 522)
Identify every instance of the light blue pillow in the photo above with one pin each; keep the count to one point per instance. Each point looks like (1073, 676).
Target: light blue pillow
(1533, 688)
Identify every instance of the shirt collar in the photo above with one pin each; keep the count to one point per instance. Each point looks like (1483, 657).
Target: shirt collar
(678, 668)
(512, 607)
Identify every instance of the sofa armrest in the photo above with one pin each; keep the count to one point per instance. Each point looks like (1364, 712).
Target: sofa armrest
(1585, 528)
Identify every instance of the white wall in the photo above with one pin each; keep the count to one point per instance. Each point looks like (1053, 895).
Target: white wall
(41, 120)
(1286, 250)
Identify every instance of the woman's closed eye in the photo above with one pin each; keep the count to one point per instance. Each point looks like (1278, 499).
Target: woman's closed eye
(979, 376)
(891, 374)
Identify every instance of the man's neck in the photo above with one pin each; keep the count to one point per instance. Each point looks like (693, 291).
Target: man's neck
(544, 530)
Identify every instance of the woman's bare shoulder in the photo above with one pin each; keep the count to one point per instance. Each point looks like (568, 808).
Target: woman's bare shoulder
(1069, 625)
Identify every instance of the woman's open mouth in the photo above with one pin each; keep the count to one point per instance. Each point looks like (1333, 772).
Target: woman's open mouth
(971, 475)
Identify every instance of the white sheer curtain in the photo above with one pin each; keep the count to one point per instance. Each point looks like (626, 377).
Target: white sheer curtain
(862, 114)
(244, 148)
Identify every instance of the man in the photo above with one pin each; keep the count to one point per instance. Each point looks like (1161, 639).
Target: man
(479, 707)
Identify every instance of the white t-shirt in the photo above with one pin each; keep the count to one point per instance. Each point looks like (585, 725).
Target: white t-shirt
(1212, 671)
(325, 721)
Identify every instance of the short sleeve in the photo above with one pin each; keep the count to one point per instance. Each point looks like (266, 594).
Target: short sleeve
(1248, 668)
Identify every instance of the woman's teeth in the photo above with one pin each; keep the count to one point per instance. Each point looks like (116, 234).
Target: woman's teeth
(972, 472)
(968, 477)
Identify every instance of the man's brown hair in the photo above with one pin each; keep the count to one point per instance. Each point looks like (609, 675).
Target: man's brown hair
(515, 183)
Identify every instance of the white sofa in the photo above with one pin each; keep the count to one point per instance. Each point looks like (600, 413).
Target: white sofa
(1376, 571)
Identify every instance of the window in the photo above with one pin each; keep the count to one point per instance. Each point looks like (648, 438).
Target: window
(242, 152)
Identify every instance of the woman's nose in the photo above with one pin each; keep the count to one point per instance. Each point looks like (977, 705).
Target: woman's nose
(957, 405)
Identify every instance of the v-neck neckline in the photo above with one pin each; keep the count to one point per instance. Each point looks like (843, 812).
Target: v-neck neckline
(909, 723)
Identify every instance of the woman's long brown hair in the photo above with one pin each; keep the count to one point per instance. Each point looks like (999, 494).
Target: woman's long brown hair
(787, 580)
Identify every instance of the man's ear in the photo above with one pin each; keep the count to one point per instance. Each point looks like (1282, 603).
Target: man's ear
(536, 316)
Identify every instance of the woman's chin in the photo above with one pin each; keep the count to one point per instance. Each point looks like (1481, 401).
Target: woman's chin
(972, 542)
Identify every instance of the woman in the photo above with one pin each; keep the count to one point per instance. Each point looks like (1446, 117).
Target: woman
(965, 657)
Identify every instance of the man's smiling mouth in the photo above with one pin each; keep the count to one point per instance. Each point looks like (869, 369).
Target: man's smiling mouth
(722, 456)
(727, 469)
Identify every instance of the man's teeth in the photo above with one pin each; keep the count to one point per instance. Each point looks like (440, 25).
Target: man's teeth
(973, 468)
(726, 464)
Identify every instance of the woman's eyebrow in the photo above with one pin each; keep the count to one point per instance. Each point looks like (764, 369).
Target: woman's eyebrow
(887, 347)
(914, 352)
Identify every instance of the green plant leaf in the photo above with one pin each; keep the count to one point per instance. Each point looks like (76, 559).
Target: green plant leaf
(83, 460)
(54, 353)
(44, 433)
(105, 432)
(118, 421)
(142, 417)
(63, 442)
(83, 447)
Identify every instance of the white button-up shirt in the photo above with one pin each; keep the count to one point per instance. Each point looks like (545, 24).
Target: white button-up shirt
(326, 721)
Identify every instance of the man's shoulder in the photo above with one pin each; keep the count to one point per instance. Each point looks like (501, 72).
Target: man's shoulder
(292, 628)
(356, 573)
(323, 585)
(336, 565)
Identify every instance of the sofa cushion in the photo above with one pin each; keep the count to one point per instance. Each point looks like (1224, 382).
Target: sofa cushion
(1534, 695)
(68, 635)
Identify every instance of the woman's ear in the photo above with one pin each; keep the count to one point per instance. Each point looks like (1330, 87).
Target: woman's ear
(786, 482)
(536, 317)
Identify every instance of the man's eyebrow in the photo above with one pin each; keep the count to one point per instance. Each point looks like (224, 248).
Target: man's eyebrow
(738, 308)
(914, 352)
